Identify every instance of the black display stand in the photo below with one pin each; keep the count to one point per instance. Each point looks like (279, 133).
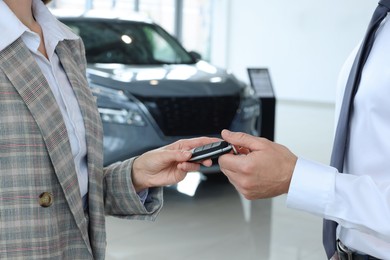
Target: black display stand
(261, 82)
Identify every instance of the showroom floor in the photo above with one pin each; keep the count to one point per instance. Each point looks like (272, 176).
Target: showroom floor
(217, 224)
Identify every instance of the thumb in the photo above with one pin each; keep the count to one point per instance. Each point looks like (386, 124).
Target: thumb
(241, 139)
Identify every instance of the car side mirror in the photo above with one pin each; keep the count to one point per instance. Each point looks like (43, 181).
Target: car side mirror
(195, 55)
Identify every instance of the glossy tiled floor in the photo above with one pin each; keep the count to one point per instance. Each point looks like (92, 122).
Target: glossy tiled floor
(217, 224)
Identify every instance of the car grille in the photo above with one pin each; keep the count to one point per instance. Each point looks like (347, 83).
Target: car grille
(189, 116)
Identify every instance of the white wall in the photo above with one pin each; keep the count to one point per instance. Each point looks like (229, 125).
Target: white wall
(302, 42)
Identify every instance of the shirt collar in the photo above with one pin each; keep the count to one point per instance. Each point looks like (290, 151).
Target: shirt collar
(53, 30)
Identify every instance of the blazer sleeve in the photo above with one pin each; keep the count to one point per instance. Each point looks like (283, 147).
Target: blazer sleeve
(120, 197)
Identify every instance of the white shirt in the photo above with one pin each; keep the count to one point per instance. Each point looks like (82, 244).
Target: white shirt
(360, 200)
(55, 75)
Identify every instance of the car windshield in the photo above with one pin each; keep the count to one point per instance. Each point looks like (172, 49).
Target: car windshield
(126, 42)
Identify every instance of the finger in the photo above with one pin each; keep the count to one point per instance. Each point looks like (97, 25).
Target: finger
(173, 156)
(194, 166)
(188, 167)
(241, 150)
(243, 140)
(207, 162)
(231, 163)
(231, 175)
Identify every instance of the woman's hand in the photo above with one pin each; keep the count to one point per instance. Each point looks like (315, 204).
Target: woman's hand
(167, 165)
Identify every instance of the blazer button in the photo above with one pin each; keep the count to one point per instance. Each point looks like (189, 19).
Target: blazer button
(45, 199)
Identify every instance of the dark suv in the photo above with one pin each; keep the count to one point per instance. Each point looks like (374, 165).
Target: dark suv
(151, 91)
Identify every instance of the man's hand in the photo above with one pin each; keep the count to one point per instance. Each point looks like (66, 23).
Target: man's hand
(264, 168)
(167, 165)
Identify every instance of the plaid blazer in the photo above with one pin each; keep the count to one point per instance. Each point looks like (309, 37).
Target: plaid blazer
(36, 160)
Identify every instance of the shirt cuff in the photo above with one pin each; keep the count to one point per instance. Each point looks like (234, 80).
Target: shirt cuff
(143, 195)
(312, 187)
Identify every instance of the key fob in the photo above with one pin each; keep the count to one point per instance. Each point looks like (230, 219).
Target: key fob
(210, 151)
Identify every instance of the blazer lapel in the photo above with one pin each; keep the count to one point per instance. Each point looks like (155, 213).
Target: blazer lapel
(75, 69)
(26, 76)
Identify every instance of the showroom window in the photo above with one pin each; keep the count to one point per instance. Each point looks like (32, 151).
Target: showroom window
(160, 11)
(188, 20)
(196, 26)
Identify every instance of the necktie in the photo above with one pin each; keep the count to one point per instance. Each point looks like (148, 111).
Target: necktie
(341, 137)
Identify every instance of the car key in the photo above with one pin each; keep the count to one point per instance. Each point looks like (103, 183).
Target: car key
(211, 151)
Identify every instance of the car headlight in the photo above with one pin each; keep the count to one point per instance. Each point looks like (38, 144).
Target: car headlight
(108, 92)
(121, 116)
(128, 113)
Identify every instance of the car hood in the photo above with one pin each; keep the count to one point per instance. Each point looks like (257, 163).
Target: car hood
(197, 79)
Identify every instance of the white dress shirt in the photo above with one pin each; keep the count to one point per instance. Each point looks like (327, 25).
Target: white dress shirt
(360, 200)
(54, 73)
